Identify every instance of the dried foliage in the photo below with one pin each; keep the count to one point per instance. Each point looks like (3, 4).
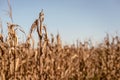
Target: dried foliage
(10, 10)
(53, 61)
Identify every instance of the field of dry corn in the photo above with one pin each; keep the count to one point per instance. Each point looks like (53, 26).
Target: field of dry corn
(51, 60)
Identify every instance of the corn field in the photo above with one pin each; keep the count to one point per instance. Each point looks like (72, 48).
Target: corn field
(51, 60)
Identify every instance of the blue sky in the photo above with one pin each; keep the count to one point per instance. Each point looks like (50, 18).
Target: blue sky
(73, 19)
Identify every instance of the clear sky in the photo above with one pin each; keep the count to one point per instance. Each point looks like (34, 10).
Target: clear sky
(73, 19)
